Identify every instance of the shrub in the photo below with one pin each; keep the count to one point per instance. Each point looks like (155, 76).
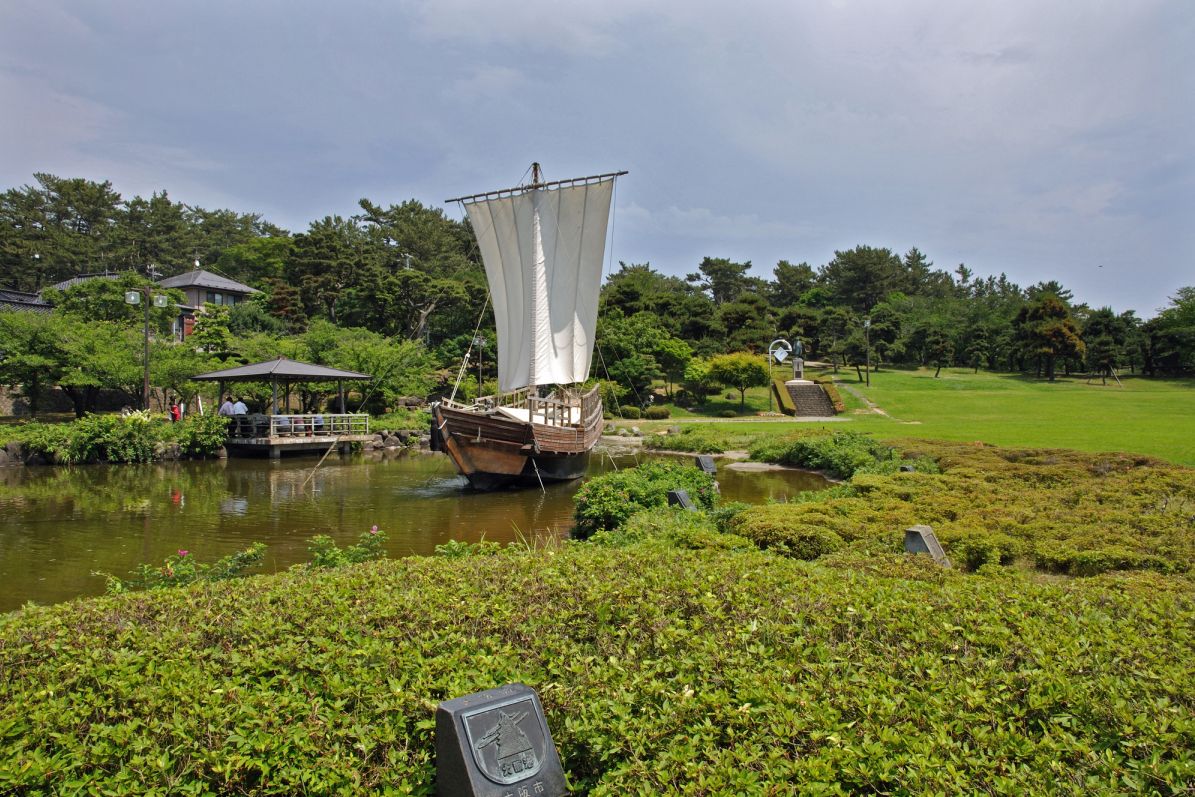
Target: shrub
(657, 413)
(607, 501)
(462, 549)
(200, 435)
(728, 414)
(182, 569)
(662, 671)
(840, 454)
(773, 526)
(783, 397)
(672, 527)
(630, 412)
(698, 439)
(325, 554)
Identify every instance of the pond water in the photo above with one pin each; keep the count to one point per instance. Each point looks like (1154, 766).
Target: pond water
(60, 525)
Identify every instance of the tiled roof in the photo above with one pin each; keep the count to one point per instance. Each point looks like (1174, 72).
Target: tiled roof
(206, 279)
(81, 278)
(22, 300)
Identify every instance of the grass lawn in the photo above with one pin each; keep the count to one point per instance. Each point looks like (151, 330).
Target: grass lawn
(1145, 416)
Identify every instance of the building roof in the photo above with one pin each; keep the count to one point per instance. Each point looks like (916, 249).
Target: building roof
(206, 279)
(81, 278)
(283, 369)
(22, 300)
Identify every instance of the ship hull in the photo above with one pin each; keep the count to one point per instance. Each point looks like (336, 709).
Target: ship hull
(494, 452)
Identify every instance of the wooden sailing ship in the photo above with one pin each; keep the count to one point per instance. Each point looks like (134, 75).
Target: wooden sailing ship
(543, 245)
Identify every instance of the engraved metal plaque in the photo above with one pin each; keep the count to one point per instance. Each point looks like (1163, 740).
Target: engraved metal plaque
(496, 742)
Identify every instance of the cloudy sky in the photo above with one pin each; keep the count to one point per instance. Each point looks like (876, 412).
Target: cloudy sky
(1047, 140)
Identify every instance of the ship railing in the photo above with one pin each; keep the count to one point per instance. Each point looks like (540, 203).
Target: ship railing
(558, 409)
(319, 424)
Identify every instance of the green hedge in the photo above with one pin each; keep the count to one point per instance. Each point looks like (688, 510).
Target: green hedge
(662, 671)
(136, 437)
(607, 501)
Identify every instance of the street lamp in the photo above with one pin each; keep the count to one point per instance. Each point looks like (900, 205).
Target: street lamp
(159, 300)
(867, 341)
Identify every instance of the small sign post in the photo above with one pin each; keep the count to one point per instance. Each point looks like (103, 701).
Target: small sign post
(496, 744)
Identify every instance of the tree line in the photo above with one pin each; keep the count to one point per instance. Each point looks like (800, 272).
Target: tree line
(411, 278)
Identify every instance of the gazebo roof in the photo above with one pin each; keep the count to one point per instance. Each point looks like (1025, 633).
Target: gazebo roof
(280, 369)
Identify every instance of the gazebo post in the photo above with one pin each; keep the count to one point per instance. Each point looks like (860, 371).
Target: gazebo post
(340, 393)
(274, 395)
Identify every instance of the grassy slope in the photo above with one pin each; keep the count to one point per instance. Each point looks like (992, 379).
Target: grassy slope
(1146, 416)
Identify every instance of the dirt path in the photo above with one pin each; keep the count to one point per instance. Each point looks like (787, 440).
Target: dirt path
(872, 407)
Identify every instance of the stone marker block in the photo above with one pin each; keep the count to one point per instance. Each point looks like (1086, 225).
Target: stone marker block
(496, 744)
(907, 469)
(706, 463)
(921, 539)
(681, 498)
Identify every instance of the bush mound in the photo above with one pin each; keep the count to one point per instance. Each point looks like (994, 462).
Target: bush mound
(607, 501)
(773, 526)
(839, 454)
(662, 671)
(657, 413)
(629, 412)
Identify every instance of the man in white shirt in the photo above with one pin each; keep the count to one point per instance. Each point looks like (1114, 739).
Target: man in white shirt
(239, 408)
(226, 408)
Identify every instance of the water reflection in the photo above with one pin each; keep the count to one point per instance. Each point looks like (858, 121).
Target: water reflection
(58, 526)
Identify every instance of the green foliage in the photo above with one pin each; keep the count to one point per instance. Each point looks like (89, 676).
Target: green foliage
(783, 397)
(661, 670)
(740, 370)
(630, 412)
(326, 554)
(182, 569)
(607, 501)
(657, 413)
(107, 438)
(112, 438)
(672, 528)
(461, 549)
(698, 439)
(200, 435)
(773, 527)
(839, 454)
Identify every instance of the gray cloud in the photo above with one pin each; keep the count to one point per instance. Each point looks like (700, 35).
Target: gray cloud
(1043, 140)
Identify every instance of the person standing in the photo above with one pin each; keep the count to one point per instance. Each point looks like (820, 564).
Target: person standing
(175, 413)
(239, 407)
(226, 408)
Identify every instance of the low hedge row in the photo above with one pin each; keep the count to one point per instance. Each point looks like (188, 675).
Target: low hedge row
(136, 437)
(662, 670)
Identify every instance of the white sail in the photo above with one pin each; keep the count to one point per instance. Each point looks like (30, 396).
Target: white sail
(543, 250)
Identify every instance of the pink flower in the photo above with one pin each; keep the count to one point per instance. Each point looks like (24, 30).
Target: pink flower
(373, 529)
(183, 552)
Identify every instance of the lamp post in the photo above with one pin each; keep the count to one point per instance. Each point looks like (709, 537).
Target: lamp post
(159, 300)
(867, 341)
(778, 350)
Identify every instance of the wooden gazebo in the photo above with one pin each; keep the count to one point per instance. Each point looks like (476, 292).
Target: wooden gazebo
(278, 431)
